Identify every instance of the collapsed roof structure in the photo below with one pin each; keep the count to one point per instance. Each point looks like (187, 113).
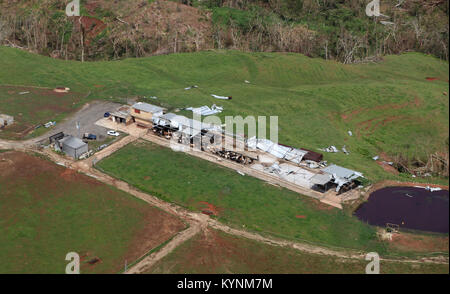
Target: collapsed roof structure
(341, 175)
(183, 124)
(280, 151)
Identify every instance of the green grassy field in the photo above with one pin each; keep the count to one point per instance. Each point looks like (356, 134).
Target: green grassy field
(219, 253)
(32, 107)
(47, 211)
(243, 202)
(389, 106)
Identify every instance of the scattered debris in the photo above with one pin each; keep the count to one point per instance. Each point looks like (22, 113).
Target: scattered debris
(247, 82)
(280, 151)
(383, 22)
(6, 120)
(428, 188)
(50, 124)
(61, 90)
(312, 164)
(206, 110)
(331, 149)
(376, 157)
(23, 93)
(350, 133)
(191, 87)
(345, 150)
(241, 173)
(222, 97)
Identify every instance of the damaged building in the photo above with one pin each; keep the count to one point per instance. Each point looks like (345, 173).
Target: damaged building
(143, 113)
(341, 177)
(122, 115)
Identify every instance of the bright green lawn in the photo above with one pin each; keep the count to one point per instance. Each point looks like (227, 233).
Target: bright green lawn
(243, 201)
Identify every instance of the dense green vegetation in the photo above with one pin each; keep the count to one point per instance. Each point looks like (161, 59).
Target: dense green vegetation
(220, 253)
(331, 29)
(389, 106)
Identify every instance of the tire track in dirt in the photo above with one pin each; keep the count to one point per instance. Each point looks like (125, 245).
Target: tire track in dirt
(150, 260)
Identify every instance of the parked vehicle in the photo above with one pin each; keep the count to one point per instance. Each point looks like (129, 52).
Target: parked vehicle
(107, 114)
(89, 136)
(113, 133)
(49, 124)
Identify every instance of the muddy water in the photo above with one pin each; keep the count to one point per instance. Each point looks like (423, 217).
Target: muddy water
(408, 207)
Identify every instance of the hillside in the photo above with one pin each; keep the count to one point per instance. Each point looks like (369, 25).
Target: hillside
(336, 29)
(391, 108)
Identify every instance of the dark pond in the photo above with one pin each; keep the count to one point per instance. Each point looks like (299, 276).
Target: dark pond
(408, 207)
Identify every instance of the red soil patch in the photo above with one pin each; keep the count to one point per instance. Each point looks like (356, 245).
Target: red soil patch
(92, 26)
(388, 168)
(212, 251)
(385, 166)
(68, 174)
(211, 209)
(420, 243)
(370, 127)
(431, 78)
(300, 216)
(349, 116)
(159, 227)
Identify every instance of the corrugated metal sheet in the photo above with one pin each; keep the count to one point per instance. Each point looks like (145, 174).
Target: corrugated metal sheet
(320, 179)
(341, 172)
(73, 142)
(147, 107)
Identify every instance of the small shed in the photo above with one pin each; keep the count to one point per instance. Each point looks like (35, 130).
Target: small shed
(73, 146)
(122, 115)
(6, 120)
(143, 113)
(56, 137)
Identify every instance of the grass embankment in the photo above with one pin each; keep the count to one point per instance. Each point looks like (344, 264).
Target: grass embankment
(389, 106)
